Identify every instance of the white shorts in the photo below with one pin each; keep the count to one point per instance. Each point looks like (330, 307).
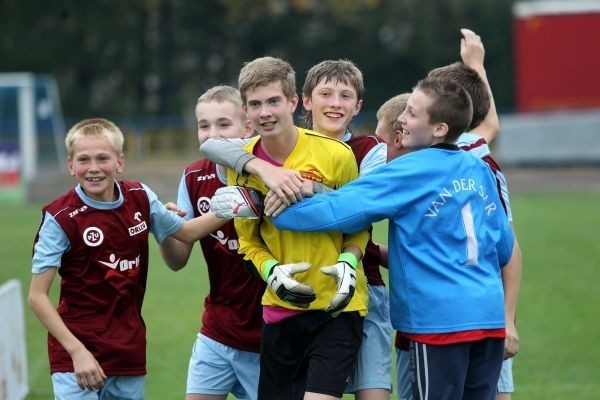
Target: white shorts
(505, 383)
(373, 366)
(115, 387)
(217, 369)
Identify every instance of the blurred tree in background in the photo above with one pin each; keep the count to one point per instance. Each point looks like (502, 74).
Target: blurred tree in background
(154, 57)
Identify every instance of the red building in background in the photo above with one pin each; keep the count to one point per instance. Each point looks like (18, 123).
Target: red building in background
(557, 55)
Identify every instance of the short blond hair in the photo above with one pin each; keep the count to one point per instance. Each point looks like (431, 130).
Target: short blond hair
(264, 71)
(389, 111)
(95, 127)
(222, 94)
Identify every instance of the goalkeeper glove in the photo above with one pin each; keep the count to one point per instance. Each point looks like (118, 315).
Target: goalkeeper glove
(237, 202)
(344, 273)
(280, 279)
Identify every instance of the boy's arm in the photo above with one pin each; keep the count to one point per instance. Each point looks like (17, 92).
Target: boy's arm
(227, 152)
(199, 227)
(174, 252)
(285, 183)
(511, 280)
(472, 54)
(88, 371)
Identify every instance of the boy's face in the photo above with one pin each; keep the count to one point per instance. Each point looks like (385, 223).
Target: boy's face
(269, 110)
(95, 165)
(333, 104)
(418, 132)
(392, 138)
(221, 120)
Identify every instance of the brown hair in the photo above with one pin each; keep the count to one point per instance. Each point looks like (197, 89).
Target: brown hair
(264, 71)
(344, 71)
(451, 105)
(470, 80)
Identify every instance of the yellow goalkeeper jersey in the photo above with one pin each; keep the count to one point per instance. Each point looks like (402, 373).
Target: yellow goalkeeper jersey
(322, 159)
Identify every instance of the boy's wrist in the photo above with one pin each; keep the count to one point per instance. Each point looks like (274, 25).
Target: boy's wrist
(349, 259)
(267, 267)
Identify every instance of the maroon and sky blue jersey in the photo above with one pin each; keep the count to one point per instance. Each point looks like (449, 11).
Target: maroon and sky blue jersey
(232, 308)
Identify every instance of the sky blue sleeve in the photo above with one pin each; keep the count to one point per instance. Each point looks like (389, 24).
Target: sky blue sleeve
(506, 244)
(183, 199)
(350, 209)
(376, 157)
(162, 221)
(51, 245)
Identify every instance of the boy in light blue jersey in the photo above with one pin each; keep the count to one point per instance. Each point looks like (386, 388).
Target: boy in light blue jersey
(448, 240)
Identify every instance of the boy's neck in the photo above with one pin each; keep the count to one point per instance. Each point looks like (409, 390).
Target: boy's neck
(281, 146)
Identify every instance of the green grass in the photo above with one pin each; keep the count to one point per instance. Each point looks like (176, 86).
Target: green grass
(558, 313)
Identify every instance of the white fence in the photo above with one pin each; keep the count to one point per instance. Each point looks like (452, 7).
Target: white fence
(13, 356)
(571, 137)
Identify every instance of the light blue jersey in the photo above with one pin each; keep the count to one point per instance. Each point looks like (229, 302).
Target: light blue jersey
(448, 236)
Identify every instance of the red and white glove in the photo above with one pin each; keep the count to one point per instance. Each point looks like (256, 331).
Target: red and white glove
(237, 202)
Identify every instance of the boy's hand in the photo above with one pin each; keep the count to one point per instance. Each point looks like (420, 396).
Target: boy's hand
(88, 372)
(472, 52)
(511, 343)
(173, 207)
(284, 183)
(345, 278)
(237, 202)
(282, 282)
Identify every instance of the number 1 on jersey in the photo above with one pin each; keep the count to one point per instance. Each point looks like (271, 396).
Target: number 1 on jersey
(472, 250)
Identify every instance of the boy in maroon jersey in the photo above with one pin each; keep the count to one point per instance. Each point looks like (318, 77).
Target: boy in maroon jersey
(225, 358)
(96, 237)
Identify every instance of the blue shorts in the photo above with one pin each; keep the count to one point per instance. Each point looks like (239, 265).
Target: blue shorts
(115, 387)
(373, 367)
(505, 383)
(217, 369)
(403, 375)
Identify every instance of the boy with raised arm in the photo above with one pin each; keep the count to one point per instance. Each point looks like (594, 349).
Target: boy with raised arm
(225, 357)
(448, 241)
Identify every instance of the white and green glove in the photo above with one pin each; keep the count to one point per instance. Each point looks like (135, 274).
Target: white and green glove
(280, 279)
(344, 273)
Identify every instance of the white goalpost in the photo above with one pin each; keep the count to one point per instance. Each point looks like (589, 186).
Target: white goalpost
(31, 127)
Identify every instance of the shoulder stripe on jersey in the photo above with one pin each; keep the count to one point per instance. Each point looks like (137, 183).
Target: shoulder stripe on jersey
(59, 211)
(194, 170)
(316, 134)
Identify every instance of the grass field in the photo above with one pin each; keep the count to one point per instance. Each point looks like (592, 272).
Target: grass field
(558, 313)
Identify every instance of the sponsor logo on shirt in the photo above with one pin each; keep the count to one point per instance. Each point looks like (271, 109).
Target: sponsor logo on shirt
(93, 236)
(312, 174)
(206, 177)
(225, 242)
(75, 212)
(120, 265)
(203, 205)
(139, 228)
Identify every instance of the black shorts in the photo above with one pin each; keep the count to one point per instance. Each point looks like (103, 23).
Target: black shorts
(309, 352)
